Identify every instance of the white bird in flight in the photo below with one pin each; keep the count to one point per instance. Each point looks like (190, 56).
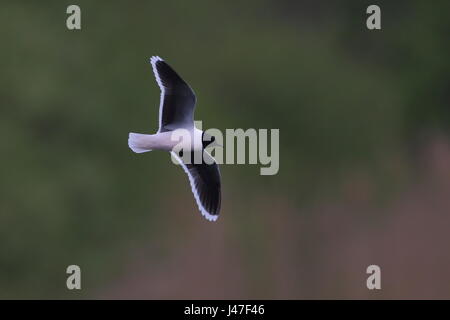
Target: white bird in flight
(176, 111)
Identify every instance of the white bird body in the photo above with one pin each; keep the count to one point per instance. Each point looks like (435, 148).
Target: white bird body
(185, 139)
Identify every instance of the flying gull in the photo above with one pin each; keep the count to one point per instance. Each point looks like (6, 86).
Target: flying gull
(176, 111)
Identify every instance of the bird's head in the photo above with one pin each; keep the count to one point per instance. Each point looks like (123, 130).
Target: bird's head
(209, 140)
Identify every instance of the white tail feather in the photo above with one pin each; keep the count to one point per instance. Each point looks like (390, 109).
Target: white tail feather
(137, 142)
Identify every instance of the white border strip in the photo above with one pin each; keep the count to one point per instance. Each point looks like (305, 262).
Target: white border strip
(153, 61)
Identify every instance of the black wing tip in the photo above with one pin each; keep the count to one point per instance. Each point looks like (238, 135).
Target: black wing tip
(209, 207)
(208, 203)
(155, 59)
(209, 216)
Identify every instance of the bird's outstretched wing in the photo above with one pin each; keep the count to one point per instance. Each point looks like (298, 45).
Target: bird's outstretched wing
(176, 107)
(205, 184)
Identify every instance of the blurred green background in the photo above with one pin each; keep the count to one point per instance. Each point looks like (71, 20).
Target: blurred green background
(364, 151)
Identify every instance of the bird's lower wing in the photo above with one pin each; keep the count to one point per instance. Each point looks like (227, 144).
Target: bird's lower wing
(205, 184)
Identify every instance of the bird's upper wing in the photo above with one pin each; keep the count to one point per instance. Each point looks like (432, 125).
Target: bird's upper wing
(176, 107)
(205, 184)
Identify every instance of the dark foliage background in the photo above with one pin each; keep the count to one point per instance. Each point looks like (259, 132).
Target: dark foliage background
(364, 150)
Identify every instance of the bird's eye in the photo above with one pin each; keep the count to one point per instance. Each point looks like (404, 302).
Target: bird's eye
(212, 139)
